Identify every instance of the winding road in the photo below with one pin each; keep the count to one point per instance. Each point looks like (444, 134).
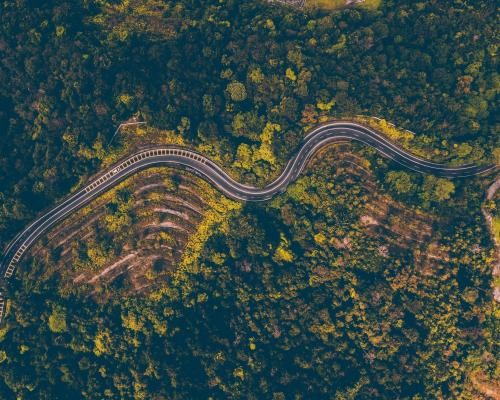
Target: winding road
(208, 170)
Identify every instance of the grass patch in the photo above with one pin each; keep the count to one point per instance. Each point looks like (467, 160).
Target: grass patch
(334, 5)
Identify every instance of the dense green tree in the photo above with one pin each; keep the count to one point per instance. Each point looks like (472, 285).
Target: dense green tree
(400, 181)
(290, 299)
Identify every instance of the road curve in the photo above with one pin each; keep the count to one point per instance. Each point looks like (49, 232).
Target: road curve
(208, 170)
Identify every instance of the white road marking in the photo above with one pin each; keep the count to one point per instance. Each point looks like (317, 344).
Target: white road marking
(316, 139)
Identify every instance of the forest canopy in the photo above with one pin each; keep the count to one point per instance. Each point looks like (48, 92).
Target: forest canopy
(219, 72)
(286, 299)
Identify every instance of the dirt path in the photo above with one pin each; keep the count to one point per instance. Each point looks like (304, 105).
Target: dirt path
(113, 266)
(490, 194)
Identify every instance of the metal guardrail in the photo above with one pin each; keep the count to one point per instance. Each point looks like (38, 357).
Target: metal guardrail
(99, 181)
(96, 186)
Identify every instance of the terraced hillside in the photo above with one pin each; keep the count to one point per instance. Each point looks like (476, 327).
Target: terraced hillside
(134, 236)
(394, 228)
(131, 237)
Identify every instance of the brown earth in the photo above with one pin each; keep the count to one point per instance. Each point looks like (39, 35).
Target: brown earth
(165, 208)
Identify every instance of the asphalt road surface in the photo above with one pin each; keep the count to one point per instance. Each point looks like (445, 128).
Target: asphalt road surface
(202, 166)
